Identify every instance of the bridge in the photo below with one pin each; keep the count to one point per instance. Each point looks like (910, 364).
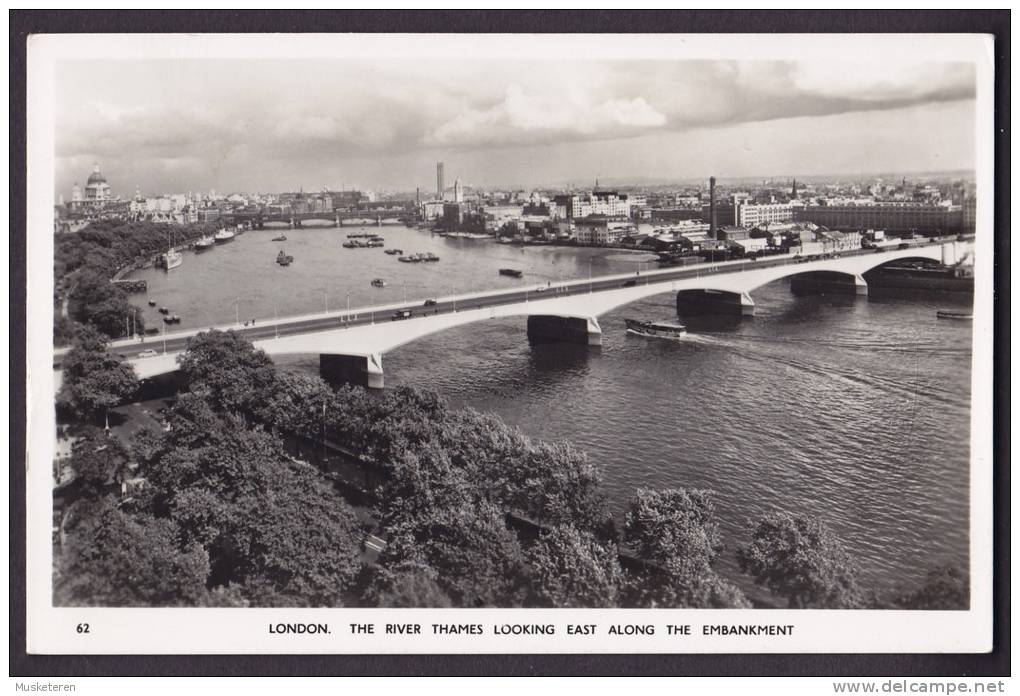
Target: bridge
(378, 215)
(351, 342)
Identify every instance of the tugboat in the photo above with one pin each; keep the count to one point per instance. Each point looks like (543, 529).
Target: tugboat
(284, 259)
(223, 236)
(655, 329)
(379, 283)
(512, 272)
(429, 256)
(204, 244)
(393, 252)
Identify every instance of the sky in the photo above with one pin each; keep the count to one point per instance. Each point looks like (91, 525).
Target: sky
(168, 126)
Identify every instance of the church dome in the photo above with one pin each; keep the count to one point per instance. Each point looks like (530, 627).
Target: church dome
(95, 177)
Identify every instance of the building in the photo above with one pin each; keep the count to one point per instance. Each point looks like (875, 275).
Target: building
(890, 216)
(599, 230)
(605, 203)
(97, 190)
(762, 214)
(431, 210)
(440, 187)
(969, 214)
(453, 215)
(458, 192)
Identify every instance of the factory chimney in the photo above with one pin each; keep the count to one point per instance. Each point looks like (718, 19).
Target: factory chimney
(711, 207)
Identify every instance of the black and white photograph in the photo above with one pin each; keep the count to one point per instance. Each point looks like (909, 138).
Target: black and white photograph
(591, 328)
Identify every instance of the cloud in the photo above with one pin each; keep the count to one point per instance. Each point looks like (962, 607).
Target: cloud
(283, 115)
(529, 117)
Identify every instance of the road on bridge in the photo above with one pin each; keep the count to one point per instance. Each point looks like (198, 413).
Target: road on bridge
(285, 326)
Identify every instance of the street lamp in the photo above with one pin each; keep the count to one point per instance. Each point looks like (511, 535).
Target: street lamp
(237, 313)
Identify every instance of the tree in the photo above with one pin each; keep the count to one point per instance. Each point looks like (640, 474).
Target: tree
(554, 484)
(945, 588)
(570, 568)
(102, 304)
(270, 525)
(94, 379)
(480, 559)
(98, 461)
(299, 403)
(799, 559)
(404, 579)
(672, 524)
(226, 369)
(111, 558)
(675, 532)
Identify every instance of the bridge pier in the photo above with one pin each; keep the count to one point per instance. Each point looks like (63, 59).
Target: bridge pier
(828, 283)
(714, 302)
(584, 331)
(359, 370)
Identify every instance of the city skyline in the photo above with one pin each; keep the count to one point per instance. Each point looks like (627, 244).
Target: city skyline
(285, 125)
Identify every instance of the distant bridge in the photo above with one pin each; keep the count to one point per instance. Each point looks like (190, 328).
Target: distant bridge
(351, 343)
(378, 215)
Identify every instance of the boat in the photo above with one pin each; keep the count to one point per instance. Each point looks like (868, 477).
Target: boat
(954, 314)
(655, 329)
(379, 283)
(172, 258)
(393, 252)
(152, 303)
(204, 244)
(283, 258)
(164, 310)
(428, 256)
(281, 238)
(223, 236)
(512, 272)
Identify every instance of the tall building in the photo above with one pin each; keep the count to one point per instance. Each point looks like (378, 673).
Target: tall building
(458, 192)
(711, 207)
(439, 181)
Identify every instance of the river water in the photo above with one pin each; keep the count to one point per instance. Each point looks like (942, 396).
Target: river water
(855, 410)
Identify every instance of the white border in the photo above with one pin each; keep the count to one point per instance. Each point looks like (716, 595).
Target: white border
(219, 631)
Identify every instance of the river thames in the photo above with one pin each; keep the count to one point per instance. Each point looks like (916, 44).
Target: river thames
(854, 410)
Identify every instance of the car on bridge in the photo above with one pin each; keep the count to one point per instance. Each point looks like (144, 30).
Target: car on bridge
(430, 303)
(148, 354)
(401, 314)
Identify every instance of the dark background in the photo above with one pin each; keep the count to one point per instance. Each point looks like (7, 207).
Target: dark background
(994, 22)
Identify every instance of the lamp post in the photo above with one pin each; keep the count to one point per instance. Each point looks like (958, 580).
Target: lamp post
(237, 313)
(589, 275)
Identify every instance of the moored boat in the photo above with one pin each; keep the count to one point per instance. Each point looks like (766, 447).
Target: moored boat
(655, 329)
(204, 244)
(512, 272)
(954, 314)
(223, 236)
